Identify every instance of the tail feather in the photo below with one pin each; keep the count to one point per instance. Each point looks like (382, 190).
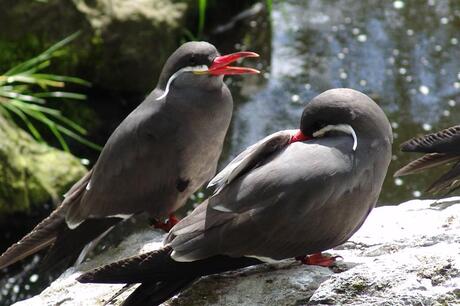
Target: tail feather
(47, 231)
(69, 243)
(160, 275)
(449, 181)
(425, 162)
(40, 237)
(445, 141)
(157, 292)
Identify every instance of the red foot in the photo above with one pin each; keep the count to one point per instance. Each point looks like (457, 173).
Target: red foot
(318, 259)
(167, 225)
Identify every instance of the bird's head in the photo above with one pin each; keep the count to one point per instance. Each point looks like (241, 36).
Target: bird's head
(199, 63)
(345, 110)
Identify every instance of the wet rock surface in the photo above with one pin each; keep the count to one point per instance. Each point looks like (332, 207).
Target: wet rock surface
(403, 255)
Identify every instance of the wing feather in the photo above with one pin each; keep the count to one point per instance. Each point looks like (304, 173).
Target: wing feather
(249, 159)
(425, 162)
(445, 141)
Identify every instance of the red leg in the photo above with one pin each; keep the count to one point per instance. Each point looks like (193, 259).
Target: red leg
(318, 259)
(168, 224)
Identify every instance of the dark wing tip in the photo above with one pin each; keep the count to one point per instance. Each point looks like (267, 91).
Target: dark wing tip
(449, 181)
(425, 162)
(429, 143)
(135, 269)
(87, 277)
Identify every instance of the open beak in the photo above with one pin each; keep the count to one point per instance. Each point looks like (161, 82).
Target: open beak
(220, 65)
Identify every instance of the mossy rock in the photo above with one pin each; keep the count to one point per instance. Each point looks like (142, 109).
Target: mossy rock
(32, 173)
(122, 45)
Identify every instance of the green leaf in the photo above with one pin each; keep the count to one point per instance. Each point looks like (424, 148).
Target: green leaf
(269, 4)
(79, 138)
(23, 92)
(18, 96)
(44, 56)
(61, 94)
(201, 16)
(61, 78)
(53, 127)
(30, 79)
(23, 117)
(35, 107)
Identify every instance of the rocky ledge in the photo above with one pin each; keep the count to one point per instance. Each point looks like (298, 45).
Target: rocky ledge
(403, 255)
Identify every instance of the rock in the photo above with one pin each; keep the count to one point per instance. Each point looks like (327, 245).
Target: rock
(32, 173)
(403, 255)
(123, 44)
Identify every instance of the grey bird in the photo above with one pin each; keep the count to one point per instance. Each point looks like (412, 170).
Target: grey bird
(440, 148)
(293, 193)
(155, 159)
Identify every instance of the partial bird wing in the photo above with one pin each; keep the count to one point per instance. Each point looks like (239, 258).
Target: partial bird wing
(449, 181)
(249, 159)
(138, 165)
(266, 209)
(445, 141)
(159, 275)
(46, 232)
(443, 147)
(425, 162)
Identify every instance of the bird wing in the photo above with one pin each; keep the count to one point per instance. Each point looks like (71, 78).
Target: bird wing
(445, 141)
(448, 182)
(137, 166)
(269, 206)
(249, 159)
(46, 232)
(425, 162)
(159, 275)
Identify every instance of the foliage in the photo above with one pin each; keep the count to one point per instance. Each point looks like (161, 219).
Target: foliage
(202, 4)
(25, 90)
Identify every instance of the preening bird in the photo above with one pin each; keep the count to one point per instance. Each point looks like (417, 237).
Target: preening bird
(293, 193)
(440, 148)
(155, 159)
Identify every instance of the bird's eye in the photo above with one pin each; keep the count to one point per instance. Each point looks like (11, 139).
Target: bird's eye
(192, 61)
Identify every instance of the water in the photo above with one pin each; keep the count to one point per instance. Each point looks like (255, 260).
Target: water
(404, 54)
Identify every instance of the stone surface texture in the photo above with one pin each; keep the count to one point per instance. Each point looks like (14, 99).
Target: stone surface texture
(403, 255)
(32, 173)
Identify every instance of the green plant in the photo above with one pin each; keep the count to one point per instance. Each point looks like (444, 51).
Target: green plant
(202, 4)
(24, 90)
(269, 4)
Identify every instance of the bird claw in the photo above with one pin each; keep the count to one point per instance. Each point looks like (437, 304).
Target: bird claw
(166, 225)
(318, 259)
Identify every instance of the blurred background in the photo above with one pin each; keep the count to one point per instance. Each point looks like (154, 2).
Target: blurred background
(70, 71)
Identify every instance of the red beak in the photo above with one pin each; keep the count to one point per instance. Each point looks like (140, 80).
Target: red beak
(220, 65)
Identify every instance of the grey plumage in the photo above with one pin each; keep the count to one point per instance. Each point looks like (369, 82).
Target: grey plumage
(277, 199)
(156, 158)
(320, 189)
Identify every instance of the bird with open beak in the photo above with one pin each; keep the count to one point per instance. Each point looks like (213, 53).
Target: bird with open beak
(155, 159)
(293, 193)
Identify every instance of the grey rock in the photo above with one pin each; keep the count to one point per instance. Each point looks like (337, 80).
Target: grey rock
(403, 255)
